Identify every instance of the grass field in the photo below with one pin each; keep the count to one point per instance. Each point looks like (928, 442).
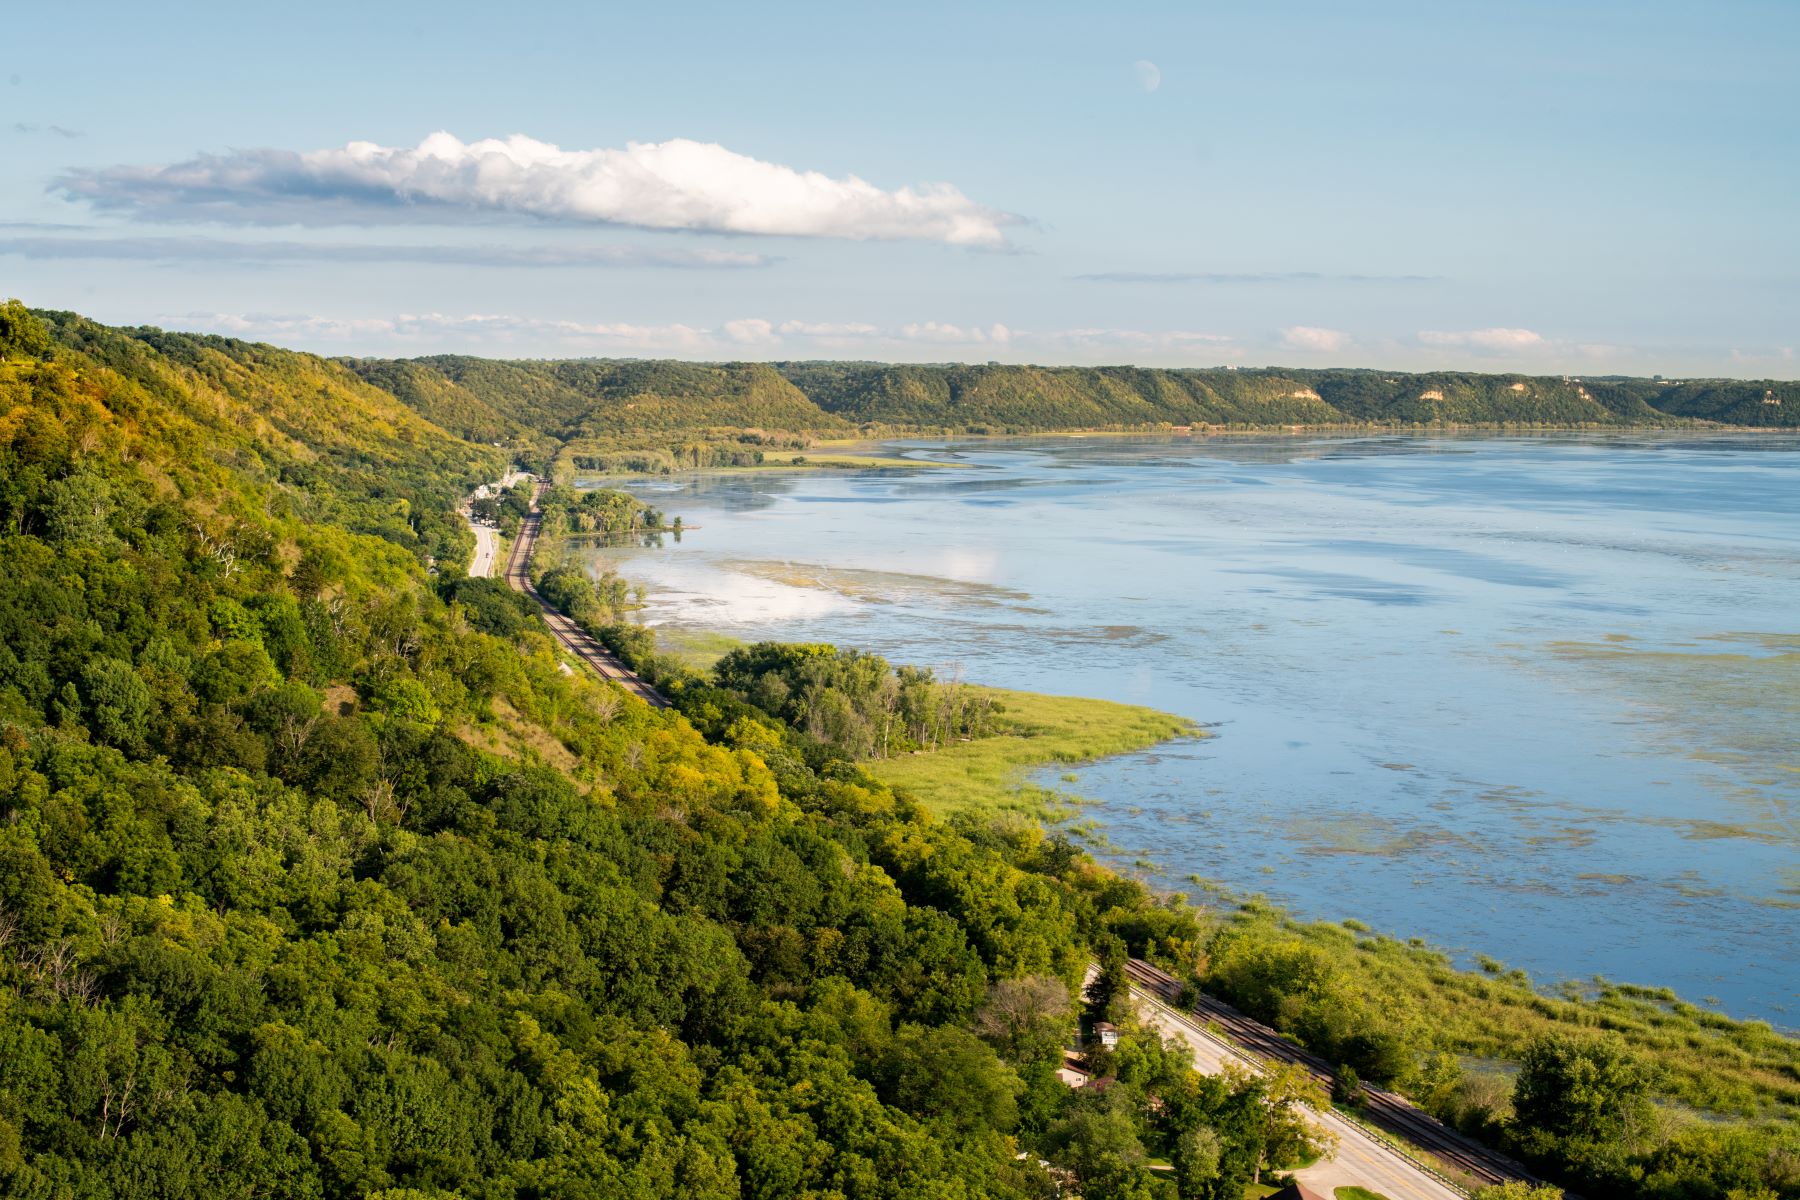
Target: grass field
(1038, 730)
(697, 649)
(855, 461)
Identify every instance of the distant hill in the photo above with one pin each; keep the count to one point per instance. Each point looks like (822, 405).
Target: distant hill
(613, 399)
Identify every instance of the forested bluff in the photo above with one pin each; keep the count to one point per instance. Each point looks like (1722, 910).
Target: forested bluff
(318, 877)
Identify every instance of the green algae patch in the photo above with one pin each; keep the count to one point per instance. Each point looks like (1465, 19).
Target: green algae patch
(1036, 731)
(1730, 700)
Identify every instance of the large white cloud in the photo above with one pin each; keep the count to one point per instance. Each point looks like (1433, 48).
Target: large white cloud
(1482, 339)
(677, 185)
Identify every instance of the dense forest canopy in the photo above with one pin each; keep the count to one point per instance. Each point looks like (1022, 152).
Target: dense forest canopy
(321, 875)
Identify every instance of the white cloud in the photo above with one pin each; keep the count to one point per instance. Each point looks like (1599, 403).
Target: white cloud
(674, 185)
(1136, 339)
(443, 328)
(828, 329)
(1149, 75)
(737, 338)
(1307, 337)
(1482, 339)
(285, 325)
(751, 331)
(938, 331)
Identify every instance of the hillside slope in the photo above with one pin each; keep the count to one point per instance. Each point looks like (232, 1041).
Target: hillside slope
(612, 402)
(319, 878)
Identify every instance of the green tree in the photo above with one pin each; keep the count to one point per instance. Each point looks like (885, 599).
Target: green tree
(1196, 1160)
(1516, 1189)
(948, 1075)
(78, 510)
(1585, 1089)
(1102, 1147)
(118, 701)
(22, 335)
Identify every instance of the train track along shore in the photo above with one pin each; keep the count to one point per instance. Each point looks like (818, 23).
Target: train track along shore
(574, 638)
(1386, 1118)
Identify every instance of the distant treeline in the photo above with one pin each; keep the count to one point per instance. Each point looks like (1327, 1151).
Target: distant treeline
(671, 404)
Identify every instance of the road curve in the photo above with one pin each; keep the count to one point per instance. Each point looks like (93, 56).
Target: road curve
(1390, 1113)
(575, 640)
(1359, 1159)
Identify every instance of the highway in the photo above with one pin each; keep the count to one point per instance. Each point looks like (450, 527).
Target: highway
(575, 640)
(1218, 1033)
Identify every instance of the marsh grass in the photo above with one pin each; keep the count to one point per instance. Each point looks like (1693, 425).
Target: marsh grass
(1037, 730)
(778, 460)
(697, 649)
(1705, 1060)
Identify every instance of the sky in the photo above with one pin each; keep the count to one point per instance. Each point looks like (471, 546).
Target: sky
(1583, 187)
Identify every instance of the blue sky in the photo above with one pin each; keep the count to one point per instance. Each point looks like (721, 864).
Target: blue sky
(1575, 187)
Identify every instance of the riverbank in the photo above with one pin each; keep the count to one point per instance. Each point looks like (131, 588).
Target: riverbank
(857, 455)
(1038, 730)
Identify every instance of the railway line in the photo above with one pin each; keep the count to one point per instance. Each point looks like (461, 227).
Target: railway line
(574, 638)
(1388, 1112)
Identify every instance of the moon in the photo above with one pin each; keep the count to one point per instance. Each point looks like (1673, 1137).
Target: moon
(1149, 76)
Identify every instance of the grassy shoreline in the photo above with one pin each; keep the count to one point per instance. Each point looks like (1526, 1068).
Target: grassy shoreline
(864, 452)
(1039, 731)
(845, 459)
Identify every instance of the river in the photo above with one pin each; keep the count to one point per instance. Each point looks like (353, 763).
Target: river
(1533, 697)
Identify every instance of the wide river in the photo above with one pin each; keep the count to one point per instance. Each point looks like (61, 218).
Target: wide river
(1530, 697)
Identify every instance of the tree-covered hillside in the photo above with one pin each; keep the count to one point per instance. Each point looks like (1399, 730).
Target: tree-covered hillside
(612, 405)
(318, 877)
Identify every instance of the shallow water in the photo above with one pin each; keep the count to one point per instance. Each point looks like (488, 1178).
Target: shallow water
(1533, 697)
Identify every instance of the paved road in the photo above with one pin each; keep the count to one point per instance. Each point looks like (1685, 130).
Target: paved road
(1359, 1159)
(574, 638)
(487, 545)
(1392, 1116)
(487, 538)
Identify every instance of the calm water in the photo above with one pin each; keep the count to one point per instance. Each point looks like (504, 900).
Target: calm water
(1530, 697)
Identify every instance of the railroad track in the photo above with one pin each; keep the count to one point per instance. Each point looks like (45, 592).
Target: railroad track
(574, 638)
(1386, 1111)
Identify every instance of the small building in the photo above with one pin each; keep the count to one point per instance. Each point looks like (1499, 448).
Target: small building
(1073, 1072)
(1108, 1034)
